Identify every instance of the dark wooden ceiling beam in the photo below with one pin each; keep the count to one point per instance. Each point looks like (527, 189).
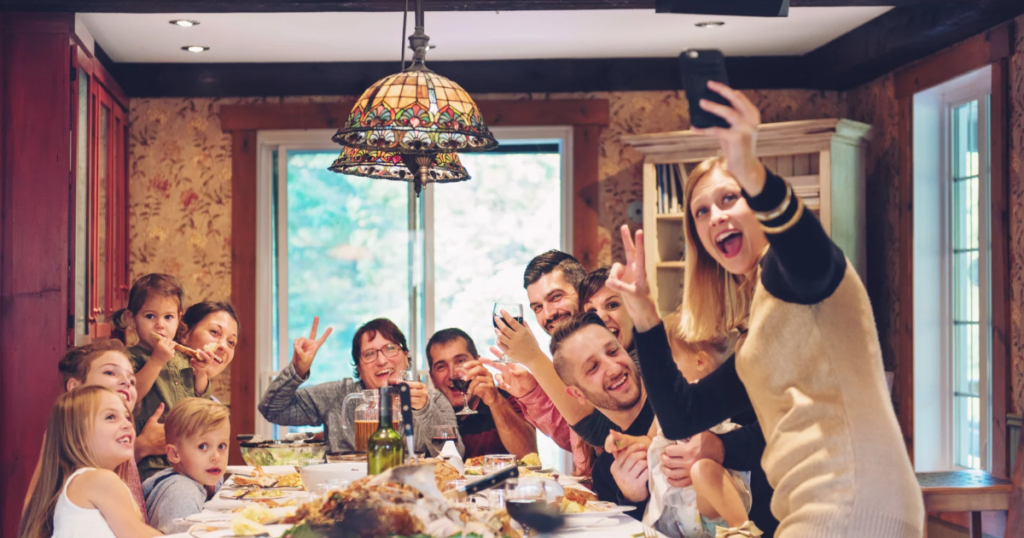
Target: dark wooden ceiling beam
(901, 36)
(275, 6)
(496, 76)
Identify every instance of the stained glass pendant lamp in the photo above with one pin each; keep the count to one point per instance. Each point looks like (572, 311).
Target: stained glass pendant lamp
(410, 126)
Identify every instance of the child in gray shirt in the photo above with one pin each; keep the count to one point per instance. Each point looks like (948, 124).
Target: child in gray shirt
(198, 433)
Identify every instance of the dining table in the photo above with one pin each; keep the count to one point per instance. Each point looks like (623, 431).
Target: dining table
(219, 510)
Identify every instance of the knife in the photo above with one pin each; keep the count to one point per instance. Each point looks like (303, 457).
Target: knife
(494, 479)
(405, 398)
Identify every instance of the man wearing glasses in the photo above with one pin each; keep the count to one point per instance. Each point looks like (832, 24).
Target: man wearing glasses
(380, 356)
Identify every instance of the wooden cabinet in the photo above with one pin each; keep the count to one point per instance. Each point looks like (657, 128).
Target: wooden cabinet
(822, 159)
(99, 251)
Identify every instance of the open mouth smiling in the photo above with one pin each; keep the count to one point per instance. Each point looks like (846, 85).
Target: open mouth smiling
(125, 440)
(385, 373)
(729, 242)
(124, 394)
(618, 383)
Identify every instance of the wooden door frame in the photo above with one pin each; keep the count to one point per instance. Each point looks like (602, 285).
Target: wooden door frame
(587, 117)
(991, 48)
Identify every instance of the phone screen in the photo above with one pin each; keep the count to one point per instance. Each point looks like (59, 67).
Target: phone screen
(698, 67)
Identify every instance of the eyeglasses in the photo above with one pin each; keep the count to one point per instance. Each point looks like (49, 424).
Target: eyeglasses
(389, 351)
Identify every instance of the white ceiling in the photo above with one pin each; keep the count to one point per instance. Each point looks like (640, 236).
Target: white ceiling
(348, 37)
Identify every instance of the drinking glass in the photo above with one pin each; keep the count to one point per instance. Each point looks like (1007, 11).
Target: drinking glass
(515, 310)
(524, 496)
(495, 462)
(442, 434)
(462, 385)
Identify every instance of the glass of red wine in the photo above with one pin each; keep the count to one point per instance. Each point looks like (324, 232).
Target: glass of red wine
(514, 310)
(441, 435)
(461, 384)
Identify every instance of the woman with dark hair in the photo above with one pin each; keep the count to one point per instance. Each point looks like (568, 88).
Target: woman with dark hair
(212, 326)
(380, 355)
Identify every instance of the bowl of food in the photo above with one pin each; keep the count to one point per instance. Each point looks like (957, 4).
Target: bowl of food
(268, 453)
(324, 473)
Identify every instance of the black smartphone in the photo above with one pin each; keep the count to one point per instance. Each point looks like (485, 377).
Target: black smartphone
(698, 67)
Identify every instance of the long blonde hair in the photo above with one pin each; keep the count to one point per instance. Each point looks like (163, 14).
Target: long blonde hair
(714, 301)
(67, 449)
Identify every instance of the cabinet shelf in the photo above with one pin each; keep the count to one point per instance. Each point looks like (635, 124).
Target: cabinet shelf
(824, 160)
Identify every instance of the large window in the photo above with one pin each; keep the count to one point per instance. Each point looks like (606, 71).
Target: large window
(952, 312)
(345, 249)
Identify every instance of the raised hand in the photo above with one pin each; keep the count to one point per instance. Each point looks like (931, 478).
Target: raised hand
(481, 383)
(306, 348)
(163, 350)
(517, 341)
(512, 378)
(630, 281)
(739, 141)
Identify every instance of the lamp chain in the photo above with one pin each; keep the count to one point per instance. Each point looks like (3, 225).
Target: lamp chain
(405, 20)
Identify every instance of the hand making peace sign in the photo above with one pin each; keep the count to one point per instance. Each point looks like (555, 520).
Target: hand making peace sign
(306, 348)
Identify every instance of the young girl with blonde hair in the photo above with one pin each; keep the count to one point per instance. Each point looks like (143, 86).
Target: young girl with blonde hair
(90, 434)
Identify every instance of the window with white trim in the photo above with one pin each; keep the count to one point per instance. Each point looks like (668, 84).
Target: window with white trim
(346, 249)
(952, 292)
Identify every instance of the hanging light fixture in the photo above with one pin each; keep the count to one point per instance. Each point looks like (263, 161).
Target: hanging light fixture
(410, 126)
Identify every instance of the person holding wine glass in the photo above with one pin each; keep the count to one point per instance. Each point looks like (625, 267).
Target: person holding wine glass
(379, 355)
(491, 421)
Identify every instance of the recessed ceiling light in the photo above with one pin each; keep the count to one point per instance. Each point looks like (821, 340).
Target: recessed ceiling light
(184, 23)
(709, 24)
(195, 48)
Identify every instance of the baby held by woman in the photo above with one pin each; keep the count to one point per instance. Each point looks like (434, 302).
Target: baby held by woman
(718, 497)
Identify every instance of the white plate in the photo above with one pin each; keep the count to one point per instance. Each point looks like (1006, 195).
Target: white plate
(270, 469)
(275, 531)
(611, 511)
(209, 516)
(585, 523)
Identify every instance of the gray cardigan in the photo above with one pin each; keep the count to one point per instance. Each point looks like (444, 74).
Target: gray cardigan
(288, 405)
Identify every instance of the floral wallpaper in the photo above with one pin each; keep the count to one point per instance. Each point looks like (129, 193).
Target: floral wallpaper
(180, 192)
(1017, 214)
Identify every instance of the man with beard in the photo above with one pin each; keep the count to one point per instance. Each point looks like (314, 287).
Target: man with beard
(597, 370)
(550, 280)
(498, 426)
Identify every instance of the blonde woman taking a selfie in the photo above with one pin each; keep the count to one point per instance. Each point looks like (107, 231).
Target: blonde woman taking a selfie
(758, 260)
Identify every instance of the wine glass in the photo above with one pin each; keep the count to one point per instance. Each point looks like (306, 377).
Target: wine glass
(515, 310)
(461, 384)
(441, 435)
(526, 501)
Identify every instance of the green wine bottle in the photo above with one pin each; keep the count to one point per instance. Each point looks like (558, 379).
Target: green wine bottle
(384, 449)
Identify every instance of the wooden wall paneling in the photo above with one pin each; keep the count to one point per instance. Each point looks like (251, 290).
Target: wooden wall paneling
(1000, 269)
(974, 53)
(904, 382)
(35, 182)
(243, 284)
(586, 146)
